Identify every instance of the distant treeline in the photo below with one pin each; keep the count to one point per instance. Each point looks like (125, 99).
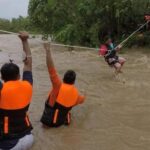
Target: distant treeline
(17, 24)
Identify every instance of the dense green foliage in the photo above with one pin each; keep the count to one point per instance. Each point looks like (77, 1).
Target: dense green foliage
(85, 22)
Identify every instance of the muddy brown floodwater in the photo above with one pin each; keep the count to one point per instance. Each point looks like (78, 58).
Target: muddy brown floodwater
(116, 114)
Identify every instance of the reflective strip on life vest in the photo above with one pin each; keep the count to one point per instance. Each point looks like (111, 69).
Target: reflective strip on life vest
(55, 116)
(68, 118)
(27, 120)
(6, 125)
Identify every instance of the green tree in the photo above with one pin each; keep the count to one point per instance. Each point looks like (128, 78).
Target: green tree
(85, 22)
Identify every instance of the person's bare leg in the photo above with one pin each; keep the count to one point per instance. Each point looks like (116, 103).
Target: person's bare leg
(118, 67)
(118, 70)
(122, 60)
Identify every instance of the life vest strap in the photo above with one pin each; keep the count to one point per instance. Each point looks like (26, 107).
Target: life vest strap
(69, 117)
(12, 113)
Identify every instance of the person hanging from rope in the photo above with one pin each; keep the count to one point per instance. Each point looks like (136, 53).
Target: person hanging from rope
(63, 96)
(15, 98)
(110, 54)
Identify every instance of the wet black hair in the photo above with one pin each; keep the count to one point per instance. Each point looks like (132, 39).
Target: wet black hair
(10, 72)
(69, 77)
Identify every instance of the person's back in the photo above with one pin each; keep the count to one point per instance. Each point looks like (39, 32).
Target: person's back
(68, 95)
(62, 98)
(13, 92)
(15, 97)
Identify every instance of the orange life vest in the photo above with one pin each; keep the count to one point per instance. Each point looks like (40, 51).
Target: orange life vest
(15, 98)
(66, 99)
(68, 95)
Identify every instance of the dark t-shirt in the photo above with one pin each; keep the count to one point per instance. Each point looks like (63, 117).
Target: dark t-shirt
(111, 53)
(1, 85)
(9, 144)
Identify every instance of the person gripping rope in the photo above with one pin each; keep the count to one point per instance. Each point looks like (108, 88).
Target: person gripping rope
(15, 98)
(110, 54)
(63, 96)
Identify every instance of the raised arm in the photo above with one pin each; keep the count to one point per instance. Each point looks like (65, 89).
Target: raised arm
(51, 68)
(28, 57)
(49, 60)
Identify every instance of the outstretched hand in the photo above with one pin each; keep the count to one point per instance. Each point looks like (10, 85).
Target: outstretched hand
(23, 35)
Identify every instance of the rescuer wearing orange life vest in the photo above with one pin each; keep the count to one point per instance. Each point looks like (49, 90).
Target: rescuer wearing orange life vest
(15, 97)
(63, 96)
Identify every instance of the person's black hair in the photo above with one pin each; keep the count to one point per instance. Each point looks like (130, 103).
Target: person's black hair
(10, 72)
(69, 77)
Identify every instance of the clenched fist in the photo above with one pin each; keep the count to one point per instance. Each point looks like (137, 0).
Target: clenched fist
(23, 35)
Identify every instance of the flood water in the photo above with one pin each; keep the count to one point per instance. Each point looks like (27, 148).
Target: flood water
(116, 113)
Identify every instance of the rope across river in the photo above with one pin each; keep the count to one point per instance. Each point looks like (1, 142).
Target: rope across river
(82, 47)
(54, 44)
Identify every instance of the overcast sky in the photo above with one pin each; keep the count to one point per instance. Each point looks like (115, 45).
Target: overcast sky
(13, 8)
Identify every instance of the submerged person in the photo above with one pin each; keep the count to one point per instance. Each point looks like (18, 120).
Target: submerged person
(109, 52)
(15, 97)
(63, 96)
